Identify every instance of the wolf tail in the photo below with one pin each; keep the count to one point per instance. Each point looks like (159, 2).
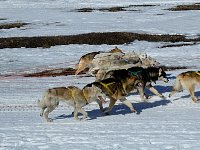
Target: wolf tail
(178, 85)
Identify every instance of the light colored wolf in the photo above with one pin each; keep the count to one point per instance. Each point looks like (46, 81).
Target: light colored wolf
(103, 64)
(187, 80)
(86, 60)
(73, 96)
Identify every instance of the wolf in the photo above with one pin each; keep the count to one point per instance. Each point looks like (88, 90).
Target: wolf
(85, 60)
(146, 75)
(73, 96)
(118, 89)
(187, 80)
(100, 66)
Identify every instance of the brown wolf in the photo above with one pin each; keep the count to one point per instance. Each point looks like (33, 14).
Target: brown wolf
(187, 80)
(146, 76)
(116, 89)
(73, 96)
(85, 60)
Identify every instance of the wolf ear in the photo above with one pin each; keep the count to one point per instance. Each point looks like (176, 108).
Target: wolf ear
(160, 71)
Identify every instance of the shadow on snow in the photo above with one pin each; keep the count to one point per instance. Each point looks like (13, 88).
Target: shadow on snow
(120, 109)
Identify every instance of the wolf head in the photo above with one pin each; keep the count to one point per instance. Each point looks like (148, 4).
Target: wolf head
(93, 92)
(116, 50)
(162, 75)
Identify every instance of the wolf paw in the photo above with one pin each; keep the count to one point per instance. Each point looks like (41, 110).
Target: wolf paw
(106, 110)
(149, 97)
(77, 119)
(49, 120)
(162, 96)
(134, 111)
(85, 118)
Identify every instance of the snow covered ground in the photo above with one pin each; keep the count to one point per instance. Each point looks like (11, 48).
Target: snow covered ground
(170, 124)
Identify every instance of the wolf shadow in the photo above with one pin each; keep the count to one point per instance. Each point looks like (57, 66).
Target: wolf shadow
(120, 109)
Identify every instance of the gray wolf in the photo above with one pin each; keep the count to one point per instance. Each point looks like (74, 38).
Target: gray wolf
(145, 75)
(73, 96)
(118, 89)
(85, 61)
(103, 64)
(187, 80)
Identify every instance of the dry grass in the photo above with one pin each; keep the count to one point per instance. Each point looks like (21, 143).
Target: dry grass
(3, 18)
(12, 25)
(168, 68)
(113, 9)
(52, 73)
(110, 38)
(179, 45)
(195, 6)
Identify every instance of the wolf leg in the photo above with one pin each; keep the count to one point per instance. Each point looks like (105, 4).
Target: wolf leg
(140, 89)
(191, 91)
(77, 72)
(85, 114)
(128, 104)
(46, 113)
(42, 111)
(154, 91)
(100, 104)
(76, 113)
(41, 104)
(172, 93)
(112, 103)
(177, 87)
(80, 67)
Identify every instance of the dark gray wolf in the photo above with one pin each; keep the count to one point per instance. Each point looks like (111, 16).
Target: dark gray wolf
(187, 80)
(73, 96)
(85, 60)
(146, 75)
(117, 89)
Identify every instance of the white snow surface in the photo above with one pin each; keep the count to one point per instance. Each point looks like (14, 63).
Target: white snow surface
(163, 124)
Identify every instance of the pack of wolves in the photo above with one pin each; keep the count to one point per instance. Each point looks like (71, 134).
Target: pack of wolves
(114, 84)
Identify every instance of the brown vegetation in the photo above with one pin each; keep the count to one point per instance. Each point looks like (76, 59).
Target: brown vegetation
(113, 9)
(168, 68)
(179, 45)
(3, 18)
(195, 6)
(110, 38)
(12, 25)
(52, 72)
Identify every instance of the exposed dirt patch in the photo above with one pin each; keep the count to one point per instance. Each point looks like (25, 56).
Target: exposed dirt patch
(113, 9)
(85, 10)
(178, 45)
(3, 18)
(109, 38)
(168, 68)
(12, 25)
(147, 5)
(71, 71)
(195, 6)
(52, 72)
